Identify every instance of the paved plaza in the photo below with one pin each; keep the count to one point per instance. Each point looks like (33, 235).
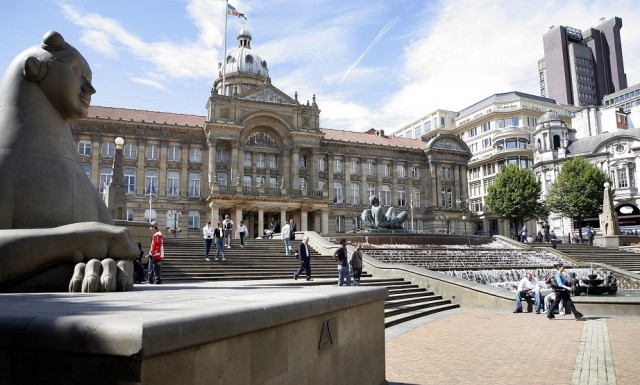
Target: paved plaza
(468, 346)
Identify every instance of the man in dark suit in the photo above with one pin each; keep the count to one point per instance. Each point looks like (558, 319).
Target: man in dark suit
(305, 259)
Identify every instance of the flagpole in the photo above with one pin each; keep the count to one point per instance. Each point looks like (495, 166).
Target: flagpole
(224, 59)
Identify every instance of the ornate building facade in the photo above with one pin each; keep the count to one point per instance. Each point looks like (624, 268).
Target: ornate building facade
(260, 156)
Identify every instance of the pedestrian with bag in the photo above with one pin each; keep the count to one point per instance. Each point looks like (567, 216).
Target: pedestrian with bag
(228, 230)
(156, 254)
(356, 265)
(242, 232)
(305, 259)
(340, 256)
(207, 232)
(218, 234)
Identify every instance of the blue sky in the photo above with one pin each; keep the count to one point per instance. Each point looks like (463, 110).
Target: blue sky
(370, 63)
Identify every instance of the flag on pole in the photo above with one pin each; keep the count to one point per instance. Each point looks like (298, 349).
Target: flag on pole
(233, 12)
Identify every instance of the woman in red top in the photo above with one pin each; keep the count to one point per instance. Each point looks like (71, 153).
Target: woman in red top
(156, 253)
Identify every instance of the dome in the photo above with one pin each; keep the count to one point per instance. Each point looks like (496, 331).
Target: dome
(243, 60)
(549, 116)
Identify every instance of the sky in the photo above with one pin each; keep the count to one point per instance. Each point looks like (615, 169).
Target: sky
(370, 63)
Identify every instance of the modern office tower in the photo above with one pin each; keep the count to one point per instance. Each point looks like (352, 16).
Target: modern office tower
(581, 67)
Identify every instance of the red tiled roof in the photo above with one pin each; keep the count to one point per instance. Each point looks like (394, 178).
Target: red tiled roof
(170, 118)
(366, 138)
(146, 116)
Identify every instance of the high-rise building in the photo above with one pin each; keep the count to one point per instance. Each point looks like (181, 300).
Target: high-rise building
(581, 67)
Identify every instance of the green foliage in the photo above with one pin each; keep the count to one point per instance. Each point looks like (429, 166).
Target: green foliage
(515, 195)
(578, 190)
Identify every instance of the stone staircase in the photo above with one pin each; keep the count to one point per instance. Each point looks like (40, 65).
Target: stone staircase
(264, 259)
(615, 257)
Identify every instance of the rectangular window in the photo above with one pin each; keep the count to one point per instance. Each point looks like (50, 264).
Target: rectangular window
(371, 190)
(415, 197)
(401, 171)
(486, 142)
(385, 195)
(622, 178)
(340, 224)
(130, 151)
(106, 174)
(473, 132)
(130, 215)
(129, 180)
(486, 127)
(174, 154)
(371, 168)
(247, 181)
(387, 170)
(194, 185)
(84, 147)
(273, 182)
(108, 149)
(221, 176)
(355, 193)
(337, 192)
(260, 160)
(415, 172)
(338, 166)
(248, 159)
(402, 201)
(302, 161)
(273, 161)
(151, 182)
(194, 220)
(173, 183)
(222, 155)
(195, 155)
(355, 167)
(153, 152)
(322, 165)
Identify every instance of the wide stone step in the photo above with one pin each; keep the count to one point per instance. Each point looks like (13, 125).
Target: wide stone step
(409, 315)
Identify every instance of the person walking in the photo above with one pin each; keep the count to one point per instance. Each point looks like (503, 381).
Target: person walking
(305, 259)
(228, 230)
(242, 232)
(156, 254)
(340, 256)
(207, 232)
(356, 265)
(218, 234)
(286, 237)
(563, 293)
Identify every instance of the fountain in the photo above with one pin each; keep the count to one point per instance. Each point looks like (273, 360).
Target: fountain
(592, 285)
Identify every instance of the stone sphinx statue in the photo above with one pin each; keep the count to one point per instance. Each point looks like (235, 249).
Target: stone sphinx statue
(53, 223)
(375, 219)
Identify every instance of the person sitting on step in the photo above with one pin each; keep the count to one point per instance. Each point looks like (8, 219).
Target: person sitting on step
(528, 289)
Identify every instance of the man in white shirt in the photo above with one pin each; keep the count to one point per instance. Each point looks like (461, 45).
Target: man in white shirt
(286, 237)
(528, 288)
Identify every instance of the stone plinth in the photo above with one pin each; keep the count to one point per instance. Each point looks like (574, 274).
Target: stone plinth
(234, 333)
(615, 241)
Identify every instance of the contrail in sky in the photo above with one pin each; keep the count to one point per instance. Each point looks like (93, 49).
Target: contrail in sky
(384, 30)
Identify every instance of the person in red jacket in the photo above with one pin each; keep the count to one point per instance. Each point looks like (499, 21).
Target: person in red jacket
(156, 253)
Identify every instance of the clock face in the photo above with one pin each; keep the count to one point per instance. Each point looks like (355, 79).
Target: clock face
(620, 148)
(626, 210)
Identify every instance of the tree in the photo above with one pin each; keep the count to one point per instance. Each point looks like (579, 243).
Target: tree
(577, 191)
(515, 195)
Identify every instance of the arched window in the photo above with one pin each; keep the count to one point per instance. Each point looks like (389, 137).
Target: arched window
(260, 139)
(556, 142)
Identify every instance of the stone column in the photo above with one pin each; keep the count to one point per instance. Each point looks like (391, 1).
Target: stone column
(260, 222)
(303, 220)
(435, 201)
(283, 217)
(211, 143)
(325, 222)
(236, 222)
(141, 178)
(215, 214)
(162, 163)
(295, 179)
(184, 170)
